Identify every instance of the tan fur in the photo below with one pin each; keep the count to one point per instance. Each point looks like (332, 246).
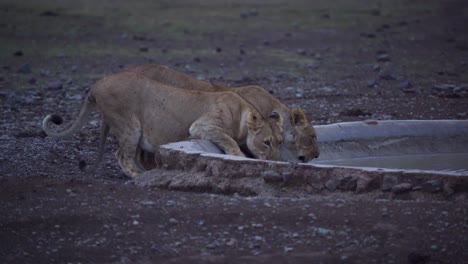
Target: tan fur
(143, 114)
(300, 142)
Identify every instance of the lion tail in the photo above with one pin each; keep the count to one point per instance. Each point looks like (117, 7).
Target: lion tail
(85, 111)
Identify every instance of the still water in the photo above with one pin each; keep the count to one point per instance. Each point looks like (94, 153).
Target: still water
(450, 162)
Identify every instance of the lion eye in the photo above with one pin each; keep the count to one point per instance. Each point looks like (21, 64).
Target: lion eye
(266, 142)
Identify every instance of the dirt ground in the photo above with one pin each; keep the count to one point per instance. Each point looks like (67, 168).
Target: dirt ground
(339, 60)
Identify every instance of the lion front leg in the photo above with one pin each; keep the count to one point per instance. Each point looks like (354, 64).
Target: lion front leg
(205, 129)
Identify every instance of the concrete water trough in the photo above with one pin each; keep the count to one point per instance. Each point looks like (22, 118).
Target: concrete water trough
(411, 159)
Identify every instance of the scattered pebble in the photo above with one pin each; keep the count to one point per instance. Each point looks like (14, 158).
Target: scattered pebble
(25, 69)
(173, 221)
(55, 85)
(402, 187)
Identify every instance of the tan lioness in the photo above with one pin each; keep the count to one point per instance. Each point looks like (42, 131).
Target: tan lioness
(300, 138)
(144, 114)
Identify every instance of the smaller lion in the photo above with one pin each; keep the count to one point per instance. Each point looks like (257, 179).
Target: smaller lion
(143, 114)
(300, 138)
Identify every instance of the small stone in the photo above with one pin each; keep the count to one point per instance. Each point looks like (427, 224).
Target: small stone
(323, 231)
(54, 85)
(348, 183)
(376, 12)
(448, 190)
(287, 249)
(212, 245)
(271, 176)
(244, 15)
(173, 221)
(385, 212)
(432, 186)
(197, 59)
(372, 83)
(402, 187)
(388, 182)
(301, 52)
(18, 53)
(404, 85)
(386, 76)
(231, 242)
(383, 57)
(218, 49)
(76, 97)
(331, 184)
(24, 69)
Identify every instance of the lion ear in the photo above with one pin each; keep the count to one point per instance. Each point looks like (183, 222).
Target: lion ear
(277, 118)
(254, 123)
(298, 117)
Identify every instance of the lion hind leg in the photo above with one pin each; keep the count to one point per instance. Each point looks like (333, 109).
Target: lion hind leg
(205, 129)
(128, 149)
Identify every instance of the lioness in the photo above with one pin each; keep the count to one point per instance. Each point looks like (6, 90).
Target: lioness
(144, 114)
(300, 138)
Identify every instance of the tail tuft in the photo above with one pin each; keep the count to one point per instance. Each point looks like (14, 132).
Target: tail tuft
(56, 119)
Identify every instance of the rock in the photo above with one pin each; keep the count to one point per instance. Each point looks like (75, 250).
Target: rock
(372, 83)
(384, 75)
(244, 15)
(54, 85)
(197, 59)
(406, 87)
(287, 249)
(301, 52)
(388, 182)
(363, 184)
(18, 53)
(212, 245)
(271, 176)
(173, 221)
(331, 184)
(231, 242)
(323, 231)
(348, 183)
(383, 57)
(76, 97)
(375, 12)
(401, 188)
(448, 190)
(450, 90)
(432, 186)
(25, 69)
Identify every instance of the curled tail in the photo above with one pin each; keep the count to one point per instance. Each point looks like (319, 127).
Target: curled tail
(85, 111)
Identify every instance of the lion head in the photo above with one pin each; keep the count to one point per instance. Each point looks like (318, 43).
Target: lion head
(264, 136)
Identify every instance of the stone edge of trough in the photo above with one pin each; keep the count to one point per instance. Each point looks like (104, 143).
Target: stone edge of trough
(188, 170)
